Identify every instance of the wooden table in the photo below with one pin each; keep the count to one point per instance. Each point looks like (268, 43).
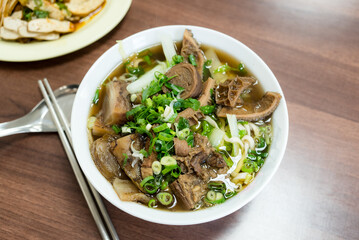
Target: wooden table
(313, 49)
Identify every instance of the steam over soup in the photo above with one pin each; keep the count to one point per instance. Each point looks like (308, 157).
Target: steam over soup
(180, 126)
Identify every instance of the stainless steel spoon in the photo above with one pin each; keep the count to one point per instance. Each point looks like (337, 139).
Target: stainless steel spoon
(39, 119)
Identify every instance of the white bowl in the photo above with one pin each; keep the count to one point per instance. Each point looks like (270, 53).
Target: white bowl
(112, 57)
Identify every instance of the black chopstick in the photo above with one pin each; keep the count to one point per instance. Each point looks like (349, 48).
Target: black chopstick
(93, 200)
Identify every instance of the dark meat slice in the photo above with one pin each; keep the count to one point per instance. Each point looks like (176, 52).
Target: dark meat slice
(202, 142)
(205, 97)
(191, 115)
(216, 160)
(254, 111)
(121, 149)
(189, 189)
(191, 47)
(104, 160)
(228, 93)
(116, 103)
(181, 147)
(186, 77)
(99, 129)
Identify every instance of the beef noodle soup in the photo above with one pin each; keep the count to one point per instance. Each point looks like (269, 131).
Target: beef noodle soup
(180, 126)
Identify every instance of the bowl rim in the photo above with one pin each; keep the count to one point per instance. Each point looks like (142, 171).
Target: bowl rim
(168, 217)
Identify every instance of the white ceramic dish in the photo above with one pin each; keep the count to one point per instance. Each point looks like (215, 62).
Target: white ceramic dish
(106, 20)
(111, 58)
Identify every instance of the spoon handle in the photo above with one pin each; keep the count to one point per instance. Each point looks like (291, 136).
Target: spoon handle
(20, 125)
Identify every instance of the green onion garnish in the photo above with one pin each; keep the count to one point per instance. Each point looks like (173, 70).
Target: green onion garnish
(164, 198)
(116, 128)
(165, 137)
(149, 178)
(96, 97)
(192, 60)
(152, 203)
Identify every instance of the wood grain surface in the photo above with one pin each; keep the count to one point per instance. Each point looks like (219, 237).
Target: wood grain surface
(313, 49)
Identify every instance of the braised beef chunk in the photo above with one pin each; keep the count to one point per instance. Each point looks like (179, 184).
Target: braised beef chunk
(116, 103)
(187, 77)
(189, 189)
(191, 47)
(228, 93)
(191, 115)
(216, 160)
(181, 147)
(254, 111)
(99, 128)
(146, 167)
(127, 191)
(205, 97)
(104, 160)
(130, 164)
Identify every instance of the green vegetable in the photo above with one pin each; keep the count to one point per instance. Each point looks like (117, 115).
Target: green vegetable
(183, 123)
(125, 160)
(152, 203)
(156, 167)
(168, 161)
(177, 59)
(96, 97)
(242, 133)
(160, 128)
(211, 195)
(156, 85)
(183, 134)
(164, 198)
(250, 166)
(147, 59)
(41, 14)
(192, 60)
(150, 188)
(225, 68)
(116, 128)
(27, 13)
(175, 89)
(207, 128)
(165, 136)
(215, 197)
(147, 179)
(190, 139)
(169, 169)
(207, 109)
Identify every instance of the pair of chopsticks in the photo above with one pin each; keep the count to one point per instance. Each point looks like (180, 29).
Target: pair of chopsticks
(93, 199)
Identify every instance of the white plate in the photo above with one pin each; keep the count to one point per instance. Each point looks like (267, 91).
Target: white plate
(106, 20)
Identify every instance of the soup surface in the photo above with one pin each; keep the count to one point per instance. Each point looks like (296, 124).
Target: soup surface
(180, 126)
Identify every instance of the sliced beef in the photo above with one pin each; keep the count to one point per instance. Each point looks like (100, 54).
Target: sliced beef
(228, 93)
(205, 97)
(116, 103)
(181, 147)
(191, 115)
(254, 111)
(104, 160)
(186, 77)
(191, 47)
(99, 129)
(122, 151)
(189, 189)
(216, 160)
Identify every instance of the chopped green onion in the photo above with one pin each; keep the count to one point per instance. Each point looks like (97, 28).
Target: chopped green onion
(144, 181)
(125, 160)
(207, 109)
(168, 169)
(150, 188)
(152, 203)
(211, 195)
(183, 123)
(164, 185)
(176, 172)
(116, 128)
(96, 97)
(156, 167)
(160, 127)
(192, 60)
(177, 59)
(168, 161)
(165, 137)
(164, 198)
(147, 59)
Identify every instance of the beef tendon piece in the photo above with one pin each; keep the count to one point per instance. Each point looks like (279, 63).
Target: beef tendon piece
(191, 47)
(189, 189)
(116, 103)
(228, 93)
(205, 97)
(181, 147)
(186, 77)
(191, 115)
(104, 160)
(254, 111)
(131, 165)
